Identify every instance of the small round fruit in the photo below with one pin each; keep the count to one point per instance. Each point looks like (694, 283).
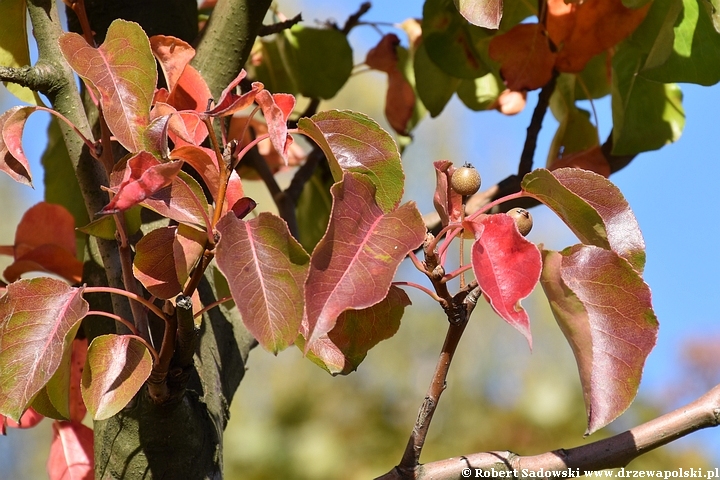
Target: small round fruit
(523, 220)
(465, 180)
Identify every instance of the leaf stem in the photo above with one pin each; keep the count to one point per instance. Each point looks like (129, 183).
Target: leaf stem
(129, 325)
(432, 294)
(212, 305)
(131, 296)
(487, 207)
(224, 171)
(455, 273)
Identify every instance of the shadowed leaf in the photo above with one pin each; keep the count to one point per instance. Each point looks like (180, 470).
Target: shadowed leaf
(123, 71)
(506, 266)
(35, 317)
(12, 157)
(353, 142)
(354, 263)
(265, 268)
(14, 49)
(277, 108)
(357, 331)
(115, 369)
(525, 57)
(183, 201)
(154, 263)
(604, 309)
(448, 203)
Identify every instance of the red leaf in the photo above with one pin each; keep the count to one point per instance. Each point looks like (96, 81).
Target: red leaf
(448, 203)
(46, 258)
(183, 127)
(188, 246)
(154, 264)
(71, 452)
(28, 420)
(190, 92)
(144, 176)
(173, 55)
(265, 267)
(483, 13)
(35, 317)
(45, 223)
(183, 201)
(354, 263)
(506, 266)
(357, 331)
(525, 56)
(12, 157)
(77, 365)
(230, 102)
(276, 109)
(243, 207)
(115, 369)
(123, 72)
(605, 311)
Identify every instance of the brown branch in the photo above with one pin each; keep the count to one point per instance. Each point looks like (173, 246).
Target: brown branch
(533, 130)
(614, 452)
(266, 30)
(354, 19)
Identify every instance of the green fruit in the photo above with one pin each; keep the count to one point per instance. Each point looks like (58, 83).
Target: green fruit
(523, 220)
(465, 180)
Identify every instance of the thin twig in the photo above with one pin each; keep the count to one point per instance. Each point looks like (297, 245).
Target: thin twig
(266, 30)
(354, 19)
(132, 296)
(533, 130)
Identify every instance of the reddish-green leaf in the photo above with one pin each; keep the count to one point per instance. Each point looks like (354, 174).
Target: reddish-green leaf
(63, 389)
(592, 207)
(230, 102)
(115, 369)
(483, 13)
(277, 108)
(28, 420)
(144, 176)
(506, 266)
(353, 142)
(356, 332)
(12, 157)
(188, 246)
(154, 263)
(35, 317)
(265, 268)
(123, 72)
(354, 263)
(183, 201)
(71, 452)
(448, 203)
(604, 309)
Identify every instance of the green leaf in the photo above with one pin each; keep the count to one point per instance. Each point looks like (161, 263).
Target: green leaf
(695, 53)
(605, 311)
(451, 43)
(124, 74)
(14, 51)
(480, 93)
(354, 142)
(313, 209)
(319, 60)
(105, 226)
(575, 132)
(357, 331)
(593, 208)
(646, 115)
(272, 71)
(594, 80)
(115, 369)
(434, 87)
(35, 317)
(712, 7)
(61, 185)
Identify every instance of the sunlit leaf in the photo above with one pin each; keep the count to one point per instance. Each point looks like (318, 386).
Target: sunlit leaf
(506, 266)
(183, 201)
(71, 452)
(123, 72)
(265, 268)
(115, 369)
(28, 420)
(593, 208)
(604, 309)
(35, 317)
(144, 176)
(230, 102)
(12, 157)
(14, 51)
(483, 13)
(525, 56)
(694, 54)
(480, 93)
(276, 109)
(354, 263)
(646, 115)
(357, 331)
(353, 142)
(174, 55)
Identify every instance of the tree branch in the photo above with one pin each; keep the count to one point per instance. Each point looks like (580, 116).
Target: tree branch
(616, 451)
